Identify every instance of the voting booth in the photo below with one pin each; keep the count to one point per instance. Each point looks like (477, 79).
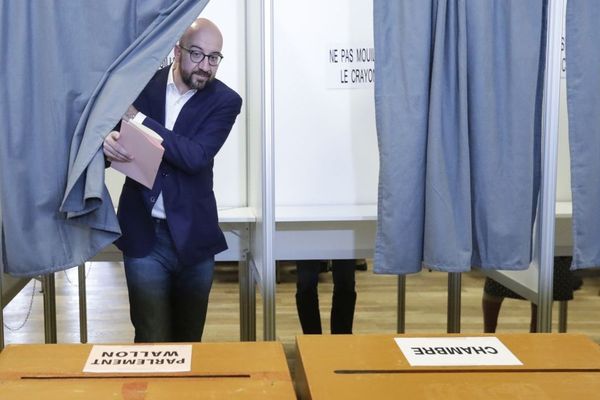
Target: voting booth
(310, 71)
(297, 178)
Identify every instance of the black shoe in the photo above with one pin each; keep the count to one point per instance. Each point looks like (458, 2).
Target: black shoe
(361, 265)
(324, 266)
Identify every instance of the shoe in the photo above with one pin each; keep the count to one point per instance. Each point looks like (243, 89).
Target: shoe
(361, 265)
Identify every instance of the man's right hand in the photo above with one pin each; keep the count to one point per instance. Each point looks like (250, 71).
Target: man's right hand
(113, 150)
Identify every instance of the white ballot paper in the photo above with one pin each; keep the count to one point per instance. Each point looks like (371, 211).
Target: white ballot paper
(456, 351)
(144, 358)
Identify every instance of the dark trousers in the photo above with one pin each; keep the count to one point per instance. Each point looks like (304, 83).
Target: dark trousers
(344, 296)
(167, 300)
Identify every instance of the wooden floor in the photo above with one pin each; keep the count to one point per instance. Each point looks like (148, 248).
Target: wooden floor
(108, 308)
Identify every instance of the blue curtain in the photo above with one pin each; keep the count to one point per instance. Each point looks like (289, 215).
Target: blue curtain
(68, 71)
(457, 99)
(583, 92)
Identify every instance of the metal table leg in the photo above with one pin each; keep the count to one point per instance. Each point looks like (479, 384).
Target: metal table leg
(454, 297)
(1, 307)
(247, 284)
(401, 322)
(562, 316)
(247, 302)
(83, 334)
(49, 288)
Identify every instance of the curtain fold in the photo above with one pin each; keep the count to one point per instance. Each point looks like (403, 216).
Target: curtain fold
(583, 91)
(458, 106)
(69, 71)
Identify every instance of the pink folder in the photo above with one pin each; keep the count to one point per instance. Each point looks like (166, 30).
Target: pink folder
(145, 146)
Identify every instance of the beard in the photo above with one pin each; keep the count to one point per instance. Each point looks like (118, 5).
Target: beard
(196, 79)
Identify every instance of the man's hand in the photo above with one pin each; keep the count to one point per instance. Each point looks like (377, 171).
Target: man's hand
(113, 150)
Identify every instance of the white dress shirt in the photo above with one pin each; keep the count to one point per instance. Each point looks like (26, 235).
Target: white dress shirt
(173, 105)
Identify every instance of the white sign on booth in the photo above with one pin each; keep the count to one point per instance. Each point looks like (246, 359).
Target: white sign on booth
(350, 66)
(139, 358)
(456, 351)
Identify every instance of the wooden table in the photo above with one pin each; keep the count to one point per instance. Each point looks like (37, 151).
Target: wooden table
(219, 371)
(555, 366)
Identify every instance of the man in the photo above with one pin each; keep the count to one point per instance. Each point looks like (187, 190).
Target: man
(171, 233)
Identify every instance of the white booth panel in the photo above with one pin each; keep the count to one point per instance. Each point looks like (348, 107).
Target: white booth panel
(257, 113)
(563, 182)
(325, 137)
(230, 163)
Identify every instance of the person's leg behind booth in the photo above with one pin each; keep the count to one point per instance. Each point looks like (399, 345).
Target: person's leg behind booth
(564, 284)
(361, 264)
(307, 295)
(490, 305)
(344, 296)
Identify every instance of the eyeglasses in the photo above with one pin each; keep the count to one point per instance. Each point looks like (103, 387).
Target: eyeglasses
(196, 56)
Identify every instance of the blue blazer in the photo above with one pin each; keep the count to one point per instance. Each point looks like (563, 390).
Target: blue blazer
(185, 176)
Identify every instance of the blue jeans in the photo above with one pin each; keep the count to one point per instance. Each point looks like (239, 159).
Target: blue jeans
(167, 300)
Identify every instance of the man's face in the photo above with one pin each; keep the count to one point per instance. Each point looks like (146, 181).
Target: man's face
(196, 75)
